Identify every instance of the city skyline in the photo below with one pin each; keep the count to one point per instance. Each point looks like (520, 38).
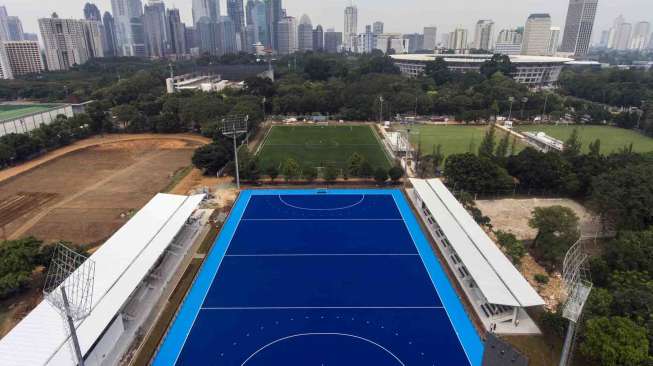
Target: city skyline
(329, 13)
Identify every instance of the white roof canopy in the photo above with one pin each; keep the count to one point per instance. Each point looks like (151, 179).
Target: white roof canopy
(120, 266)
(496, 277)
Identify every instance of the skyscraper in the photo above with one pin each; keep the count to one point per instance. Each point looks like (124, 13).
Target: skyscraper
(536, 35)
(24, 57)
(554, 41)
(15, 29)
(4, 28)
(509, 42)
(579, 26)
(129, 27)
(377, 28)
(274, 8)
(458, 39)
(110, 40)
(484, 35)
(641, 36)
(415, 42)
(91, 12)
(64, 42)
(624, 34)
(351, 27)
(236, 12)
(176, 33)
(205, 8)
(287, 36)
(155, 29)
(332, 41)
(94, 38)
(318, 38)
(430, 37)
(305, 34)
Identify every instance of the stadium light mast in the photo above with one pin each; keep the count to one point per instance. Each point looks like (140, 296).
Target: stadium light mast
(234, 126)
(380, 109)
(69, 289)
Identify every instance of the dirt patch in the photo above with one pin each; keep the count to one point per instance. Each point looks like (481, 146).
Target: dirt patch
(82, 197)
(512, 215)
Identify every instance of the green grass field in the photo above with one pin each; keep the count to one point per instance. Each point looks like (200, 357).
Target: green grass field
(12, 111)
(319, 146)
(612, 138)
(454, 139)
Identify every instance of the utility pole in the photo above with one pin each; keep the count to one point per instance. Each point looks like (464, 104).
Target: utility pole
(381, 109)
(546, 99)
(511, 100)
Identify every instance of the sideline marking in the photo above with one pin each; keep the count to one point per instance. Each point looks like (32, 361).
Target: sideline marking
(326, 255)
(322, 209)
(322, 307)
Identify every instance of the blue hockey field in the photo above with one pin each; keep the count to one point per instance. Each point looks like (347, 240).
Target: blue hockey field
(312, 277)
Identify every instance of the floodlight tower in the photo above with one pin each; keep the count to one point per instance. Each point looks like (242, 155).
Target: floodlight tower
(235, 126)
(69, 289)
(577, 285)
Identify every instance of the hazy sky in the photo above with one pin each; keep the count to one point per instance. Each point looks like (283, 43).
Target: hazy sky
(405, 16)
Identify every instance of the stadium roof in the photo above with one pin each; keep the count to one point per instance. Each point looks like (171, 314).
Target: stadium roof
(120, 266)
(496, 277)
(476, 58)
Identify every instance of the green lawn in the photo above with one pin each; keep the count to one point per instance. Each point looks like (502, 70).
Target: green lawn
(12, 111)
(454, 139)
(612, 138)
(319, 146)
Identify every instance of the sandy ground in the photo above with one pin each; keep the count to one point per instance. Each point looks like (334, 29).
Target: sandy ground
(512, 215)
(90, 190)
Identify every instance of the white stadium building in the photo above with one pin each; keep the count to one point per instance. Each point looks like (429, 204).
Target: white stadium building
(534, 71)
(133, 268)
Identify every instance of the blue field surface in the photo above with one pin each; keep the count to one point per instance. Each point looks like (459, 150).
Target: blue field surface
(304, 277)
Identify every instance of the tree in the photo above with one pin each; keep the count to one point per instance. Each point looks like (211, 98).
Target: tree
(474, 174)
(354, 164)
(273, 172)
(614, 341)
(330, 173)
(502, 149)
(125, 114)
(573, 145)
(595, 148)
(625, 196)
(498, 63)
(309, 173)
(366, 170)
(513, 247)
(395, 173)
(290, 169)
(546, 171)
(380, 175)
(631, 251)
(212, 157)
(557, 231)
(438, 71)
(633, 294)
(486, 149)
(18, 258)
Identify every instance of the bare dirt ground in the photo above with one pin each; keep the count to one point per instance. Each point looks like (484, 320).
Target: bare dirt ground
(85, 195)
(512, 215)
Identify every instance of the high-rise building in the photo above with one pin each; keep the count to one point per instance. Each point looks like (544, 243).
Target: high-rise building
(351, 27)
(15, 29)
(554, 41)
(64, 41)
(236, 12)
(624, 35)
(127, 15)
(31, 37)
(205, 8)
(605, 37)
(192, 40)
(484, 35)
(110, 40)
(176, 33)
(275, 14)
(430, 37)
(509, 42)
(366, 42)
(94, 38)
(287, 36)
(458, 39)
(641, 36)
(579, 26)
(444, 41)
(318, 38)
(23, 57)
(4, 27)
(377, 27)
(305, 34)
(91, 12)
(415, 42)
(155, 29)
(332, 41)
(615, 32)
(216, 38)
(537, 35)
(258, 18)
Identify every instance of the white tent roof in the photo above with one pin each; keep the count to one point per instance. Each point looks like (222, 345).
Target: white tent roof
(120, 266)
(496, 277)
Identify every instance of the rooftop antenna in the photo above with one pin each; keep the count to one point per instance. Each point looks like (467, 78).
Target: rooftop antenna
(235, 126)
(69, 289)
(577, 285)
